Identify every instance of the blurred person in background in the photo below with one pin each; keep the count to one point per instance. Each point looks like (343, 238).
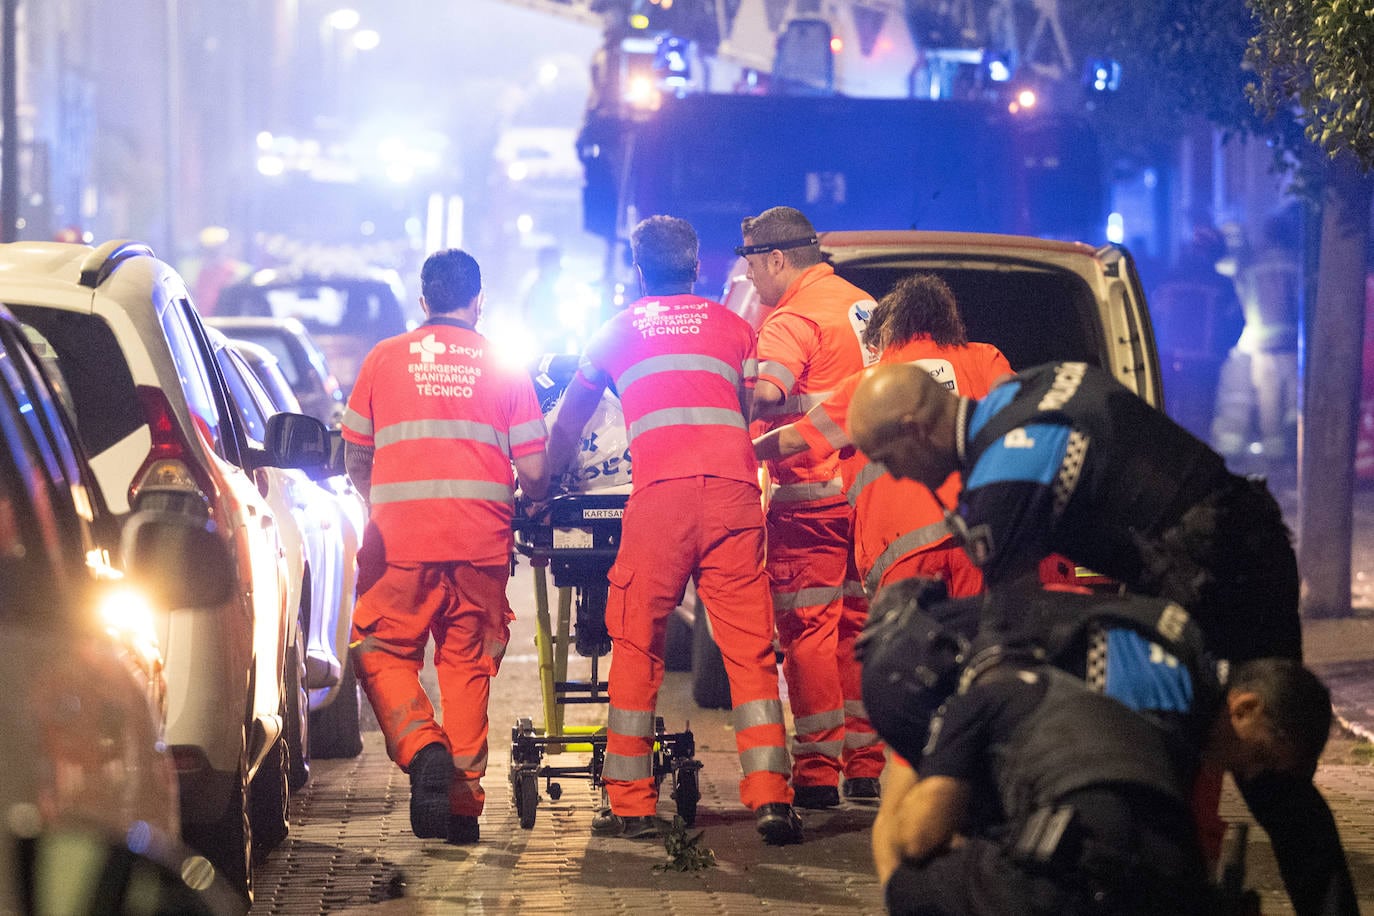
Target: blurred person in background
(217, 267)
(1197, 319)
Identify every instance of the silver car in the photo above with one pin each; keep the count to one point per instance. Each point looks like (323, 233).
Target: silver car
(117, 327)
(324, 515)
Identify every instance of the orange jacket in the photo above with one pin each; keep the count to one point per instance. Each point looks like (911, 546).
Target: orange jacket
(445, 418)
(808, 345)
(678, 363)
(895, 518)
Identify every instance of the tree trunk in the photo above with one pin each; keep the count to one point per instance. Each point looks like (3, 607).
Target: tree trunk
(1331, 394)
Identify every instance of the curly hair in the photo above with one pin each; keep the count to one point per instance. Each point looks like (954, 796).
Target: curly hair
(921, 304)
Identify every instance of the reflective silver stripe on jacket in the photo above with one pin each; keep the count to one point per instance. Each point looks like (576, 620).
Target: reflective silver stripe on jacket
(869, 473)
(751, 368)
(802, 492)
(529, 431)
(854, 709)
(686, 416)
(834, 433)
(679, 362)
(470, 430)
(441, 489)
(768, 367)
(920, 537)
(797, 403)
(807, 597)
(756, 713)
(357, 422)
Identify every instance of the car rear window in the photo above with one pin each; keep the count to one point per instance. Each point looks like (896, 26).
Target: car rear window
(1032, 314)
(83, 359)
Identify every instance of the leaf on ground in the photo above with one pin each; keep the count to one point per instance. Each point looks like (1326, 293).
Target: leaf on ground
(685, 852)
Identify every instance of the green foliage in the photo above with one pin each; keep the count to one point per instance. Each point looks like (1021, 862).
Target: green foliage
(685, 852)
(1317, 57)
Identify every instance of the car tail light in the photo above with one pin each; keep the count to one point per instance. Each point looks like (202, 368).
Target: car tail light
(170, 465)
(188, 758)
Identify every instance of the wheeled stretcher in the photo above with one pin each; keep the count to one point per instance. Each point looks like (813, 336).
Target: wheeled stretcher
(577, 546)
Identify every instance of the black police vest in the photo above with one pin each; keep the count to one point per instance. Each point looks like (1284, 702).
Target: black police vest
(1141, 471)
(1076, 739)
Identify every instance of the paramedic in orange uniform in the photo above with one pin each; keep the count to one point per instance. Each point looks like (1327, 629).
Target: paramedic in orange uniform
(899, 527)
(808, 344)
(683, 367)
(432, 428)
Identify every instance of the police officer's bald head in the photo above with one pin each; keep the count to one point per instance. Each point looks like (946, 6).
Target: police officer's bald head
(902, 418)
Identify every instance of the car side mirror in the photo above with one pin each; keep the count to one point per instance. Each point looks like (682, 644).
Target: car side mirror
(176, 559)
(294, 440)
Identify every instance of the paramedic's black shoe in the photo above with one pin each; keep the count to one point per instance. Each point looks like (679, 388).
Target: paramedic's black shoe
(591, 639)
(779, 824)
(609, 824)
(862, 788)
(463, 830)
(815, 796)
(431, 774)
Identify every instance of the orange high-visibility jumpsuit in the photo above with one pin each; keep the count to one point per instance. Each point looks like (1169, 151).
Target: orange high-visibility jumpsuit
(679, 364)
(808, 345)
(446, 419)
(899, 527)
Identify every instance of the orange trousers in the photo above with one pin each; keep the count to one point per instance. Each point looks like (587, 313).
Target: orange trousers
(464, 607)
(819, 612)
(672, 530)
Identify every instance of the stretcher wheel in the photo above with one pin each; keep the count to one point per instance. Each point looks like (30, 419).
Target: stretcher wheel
(526, 798)
(686, 792)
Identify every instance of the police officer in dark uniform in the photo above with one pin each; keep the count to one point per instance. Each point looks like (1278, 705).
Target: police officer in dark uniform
(1062, 458)
(1143, 655)
(1073, 806)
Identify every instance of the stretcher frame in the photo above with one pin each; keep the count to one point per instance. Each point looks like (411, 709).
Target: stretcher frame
(580, 559)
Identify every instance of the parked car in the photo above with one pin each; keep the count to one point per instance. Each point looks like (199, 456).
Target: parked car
(346, 314)
(1037, 300)
(83, 679)
(299, 358)
(117, 328)
(329, 516)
